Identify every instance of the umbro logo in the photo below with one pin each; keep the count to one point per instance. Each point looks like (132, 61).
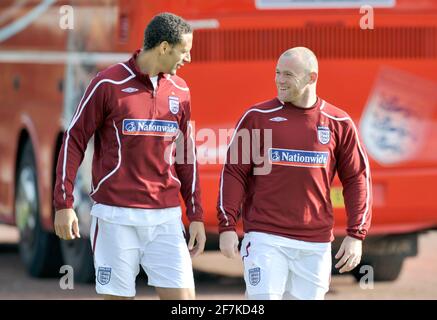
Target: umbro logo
(278, 119)
(130, 90)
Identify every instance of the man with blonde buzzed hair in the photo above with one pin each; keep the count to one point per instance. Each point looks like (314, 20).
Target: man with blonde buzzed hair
(287, 213)
(306, 58)
(304, 65)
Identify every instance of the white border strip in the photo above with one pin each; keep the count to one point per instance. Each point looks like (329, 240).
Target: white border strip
(322, 4)
(323, 105)
(171, 162)
(118, 164)
(22, 23)
(61, 57)
(366, 162)
(230, 143)
(204, 24)
(77, 115)
(168, 77)
(193, 186)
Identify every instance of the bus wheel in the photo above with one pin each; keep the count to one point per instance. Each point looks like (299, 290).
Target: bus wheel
(39, 250)
(78, 254)
(384, 268)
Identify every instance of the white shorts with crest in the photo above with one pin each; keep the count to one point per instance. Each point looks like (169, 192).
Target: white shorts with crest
(277, 267)
(119, 250)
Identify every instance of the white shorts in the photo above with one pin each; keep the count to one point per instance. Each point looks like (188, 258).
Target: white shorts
(274, 266)
(119, 250)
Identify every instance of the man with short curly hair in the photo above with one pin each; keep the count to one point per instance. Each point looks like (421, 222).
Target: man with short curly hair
(165, 27)
(138, 111)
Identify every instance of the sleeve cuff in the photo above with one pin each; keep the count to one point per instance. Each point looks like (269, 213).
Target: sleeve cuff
(198, 216)
(357, 235)
(63, 206)
(228, 228)
(192, 219)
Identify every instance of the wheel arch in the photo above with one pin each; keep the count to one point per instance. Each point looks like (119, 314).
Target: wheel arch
(23, 138)
(27, 133)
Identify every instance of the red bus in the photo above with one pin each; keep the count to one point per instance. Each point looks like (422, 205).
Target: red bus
(384, 77)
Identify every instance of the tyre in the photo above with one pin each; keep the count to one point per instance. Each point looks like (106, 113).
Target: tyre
(77, 253)
(385, 268)
(39, 249)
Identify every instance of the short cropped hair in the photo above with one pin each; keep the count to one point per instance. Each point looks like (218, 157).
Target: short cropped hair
(165, 27)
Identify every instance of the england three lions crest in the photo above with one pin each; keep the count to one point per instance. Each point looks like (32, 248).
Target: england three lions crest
(396, 123)
(104, 275)
(324, 135)
(254, 276)
(173, 104)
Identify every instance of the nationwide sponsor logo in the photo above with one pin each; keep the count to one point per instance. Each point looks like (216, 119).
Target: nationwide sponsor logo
(130, 90)
(323, 134)
(298, 158)
(278, 119)
(104, 275)
(147, 127)
(173, 104)
(254, 276)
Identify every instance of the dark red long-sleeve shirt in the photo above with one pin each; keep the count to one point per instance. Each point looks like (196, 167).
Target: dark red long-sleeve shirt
(135, 132)
(308, 147)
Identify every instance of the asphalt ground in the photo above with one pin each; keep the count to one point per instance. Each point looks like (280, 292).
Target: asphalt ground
(218, 278)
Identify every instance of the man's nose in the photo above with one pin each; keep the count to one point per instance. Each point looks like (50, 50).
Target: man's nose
(280, 79)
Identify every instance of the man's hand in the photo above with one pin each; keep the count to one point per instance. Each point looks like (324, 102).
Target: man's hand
(197, 233)
(66, 224)
(350, 253)
(229, 244)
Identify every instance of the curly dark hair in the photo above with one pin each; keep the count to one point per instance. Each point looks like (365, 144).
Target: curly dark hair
(165, 27)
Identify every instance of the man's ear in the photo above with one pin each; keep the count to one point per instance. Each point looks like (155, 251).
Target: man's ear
(313, 77)
(164, 47)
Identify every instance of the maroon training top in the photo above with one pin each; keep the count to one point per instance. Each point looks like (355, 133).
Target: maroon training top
(135, 130)
(308, 147)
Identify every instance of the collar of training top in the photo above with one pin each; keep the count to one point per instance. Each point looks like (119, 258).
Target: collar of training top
(314, 107)
(135, 68)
